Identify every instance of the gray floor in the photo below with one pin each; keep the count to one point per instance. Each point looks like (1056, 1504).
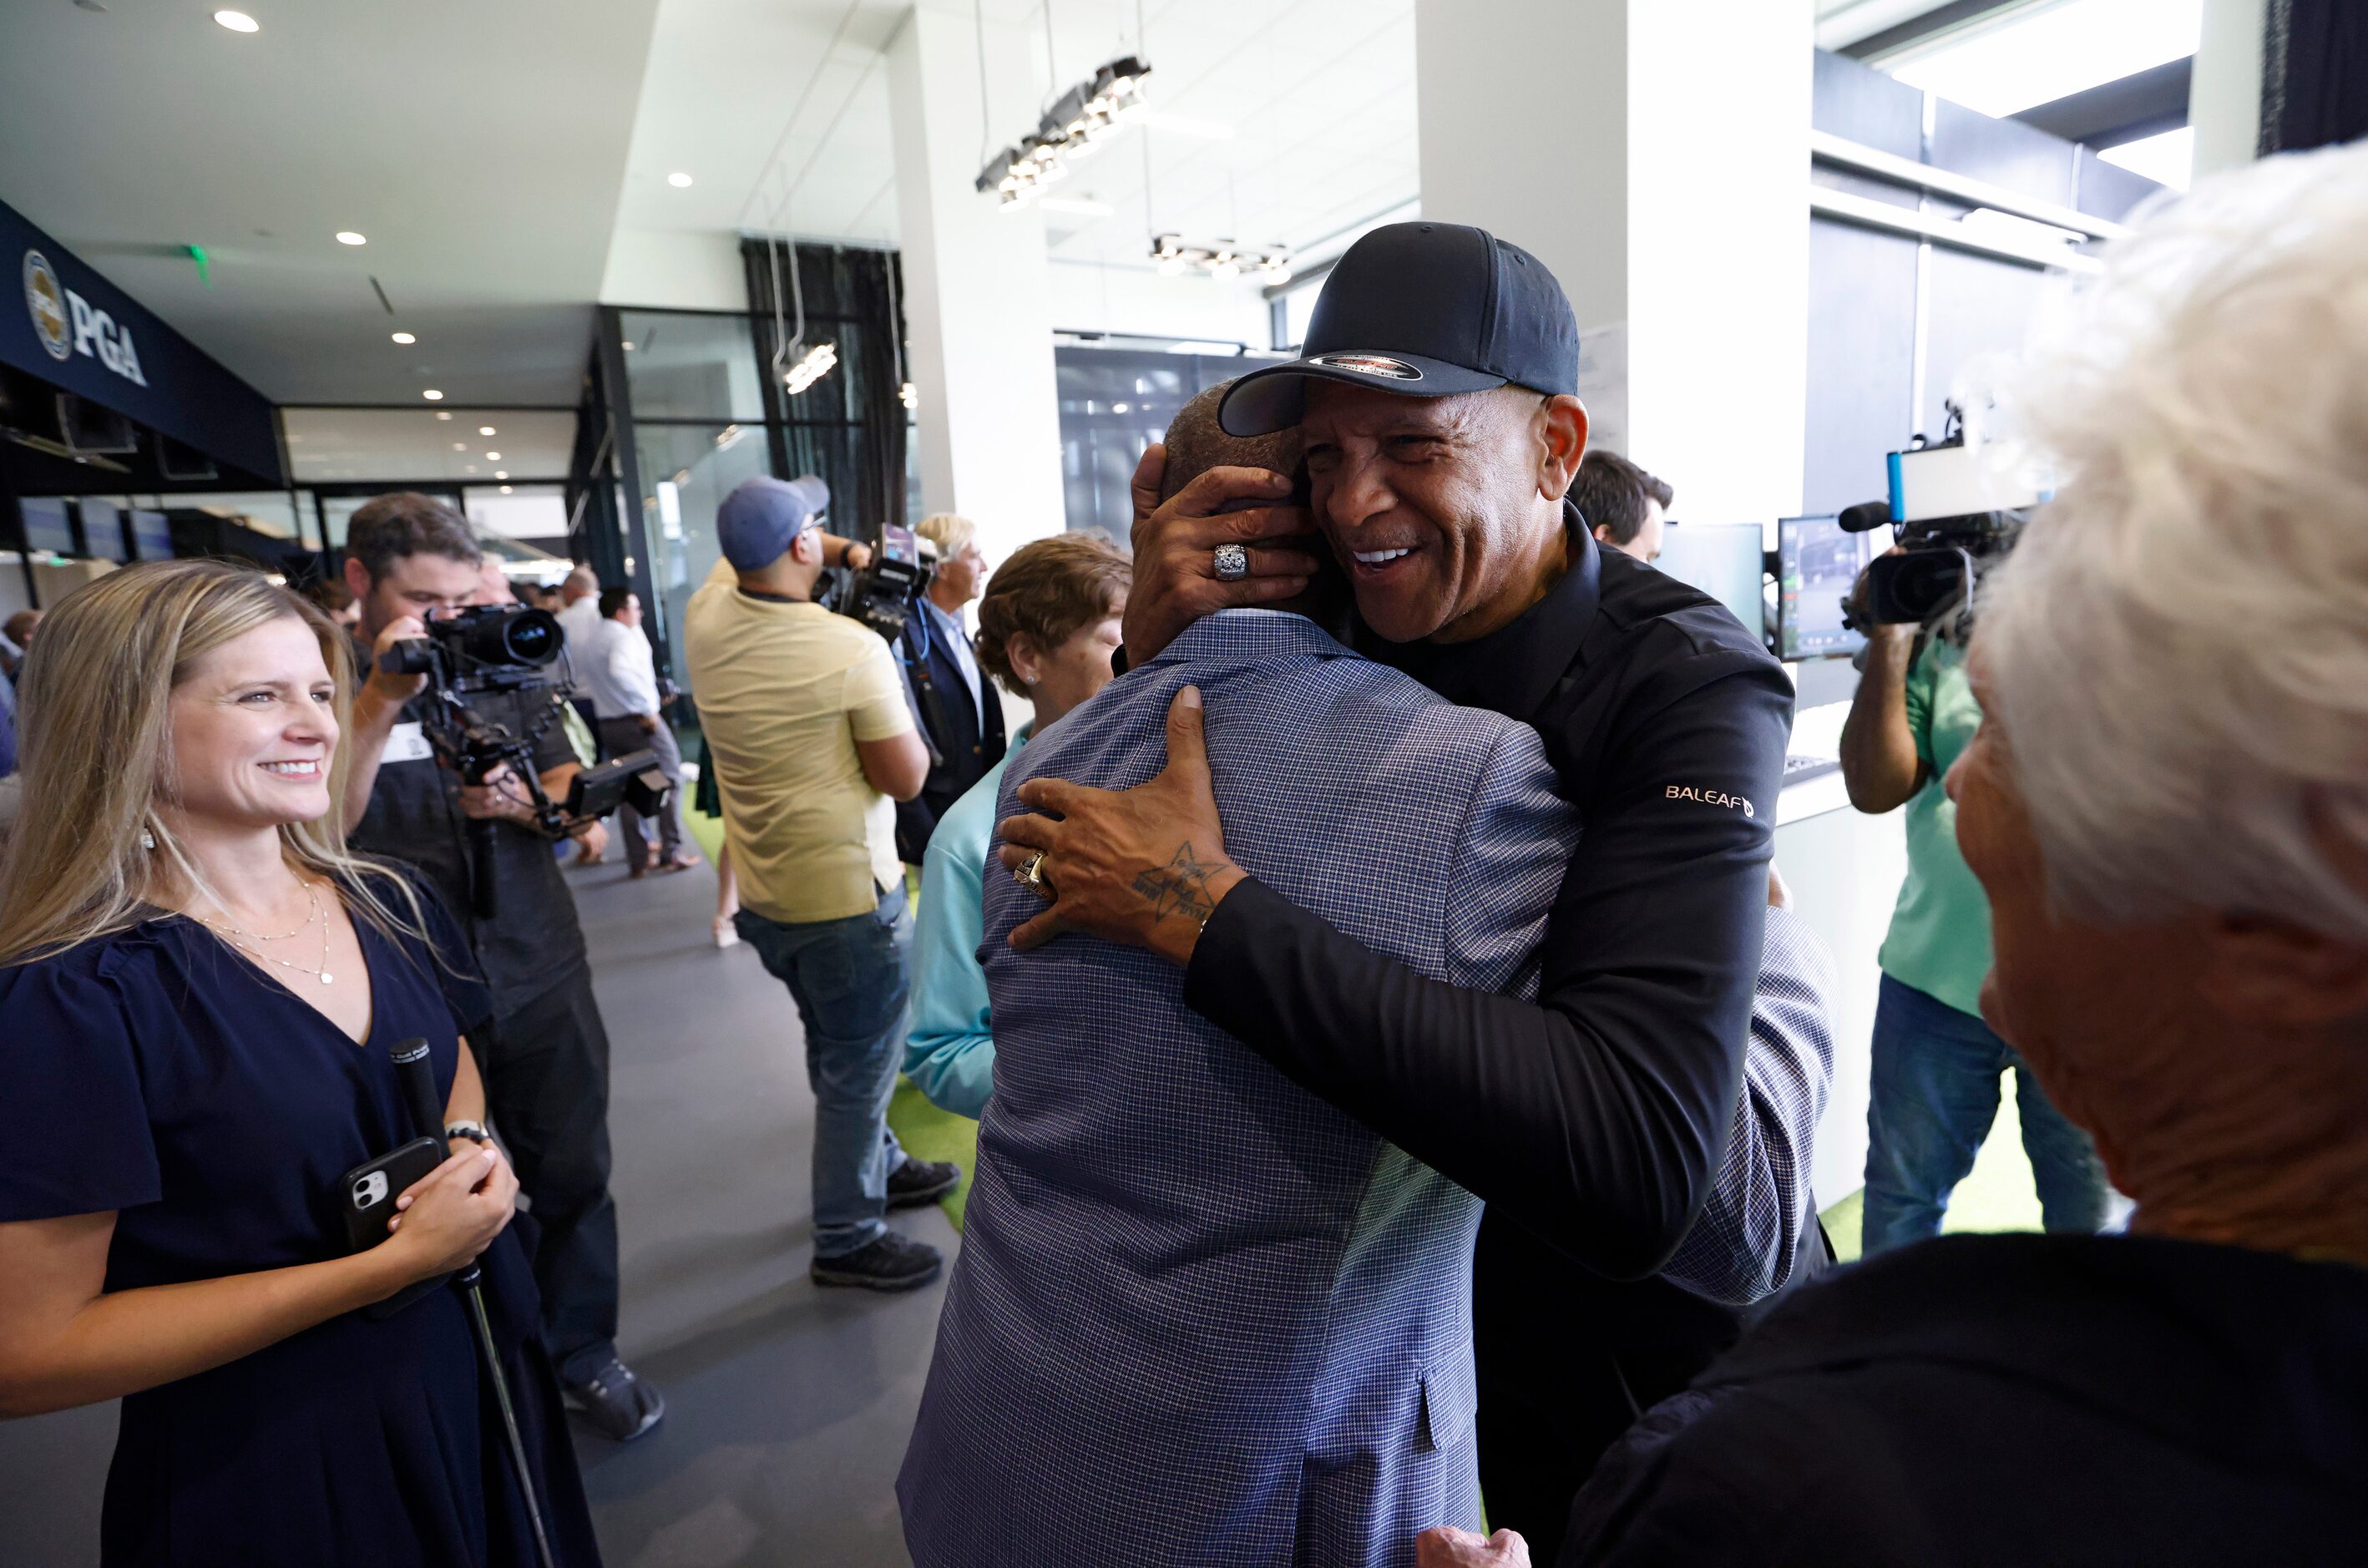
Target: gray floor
(788, 1408)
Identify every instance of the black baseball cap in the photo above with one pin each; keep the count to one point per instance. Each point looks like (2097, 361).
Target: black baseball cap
(1421, 309)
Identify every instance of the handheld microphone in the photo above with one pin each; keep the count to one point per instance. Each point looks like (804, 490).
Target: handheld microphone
(417, 1076)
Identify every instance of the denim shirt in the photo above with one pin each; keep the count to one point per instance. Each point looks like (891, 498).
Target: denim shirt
(948, 1053)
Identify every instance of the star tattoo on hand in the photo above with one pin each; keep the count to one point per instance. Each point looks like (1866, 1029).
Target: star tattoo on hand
(1181, 887)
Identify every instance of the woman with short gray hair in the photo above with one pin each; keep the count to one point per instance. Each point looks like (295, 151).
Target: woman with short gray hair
(2167, 805)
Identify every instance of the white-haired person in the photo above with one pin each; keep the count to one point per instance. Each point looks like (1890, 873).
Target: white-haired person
(953, 699)
(2167, 805)
(201, 988)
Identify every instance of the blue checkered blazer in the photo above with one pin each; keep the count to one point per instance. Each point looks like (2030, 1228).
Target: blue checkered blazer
(1200, 1316)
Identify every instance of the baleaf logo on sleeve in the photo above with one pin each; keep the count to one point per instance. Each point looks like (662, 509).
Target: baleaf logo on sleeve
(69, 325)
(1711, 797)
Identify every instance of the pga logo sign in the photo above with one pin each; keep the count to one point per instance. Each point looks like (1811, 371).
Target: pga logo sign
(67, 325)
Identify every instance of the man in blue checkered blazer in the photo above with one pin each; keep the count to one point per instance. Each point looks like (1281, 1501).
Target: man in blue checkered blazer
(1200, 1316)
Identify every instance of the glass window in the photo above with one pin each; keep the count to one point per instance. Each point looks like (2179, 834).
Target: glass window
(268, 512)
(686, 473)
(1114, 402)
(680, 366)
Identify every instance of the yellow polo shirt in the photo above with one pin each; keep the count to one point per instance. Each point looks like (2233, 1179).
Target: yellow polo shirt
(784, 692)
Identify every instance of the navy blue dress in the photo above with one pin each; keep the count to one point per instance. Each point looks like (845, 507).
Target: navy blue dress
(157, 1074)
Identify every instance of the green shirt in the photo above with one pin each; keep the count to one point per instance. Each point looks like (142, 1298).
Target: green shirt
(1939, 940)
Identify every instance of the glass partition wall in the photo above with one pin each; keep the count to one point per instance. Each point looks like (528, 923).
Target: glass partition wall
(696, 410)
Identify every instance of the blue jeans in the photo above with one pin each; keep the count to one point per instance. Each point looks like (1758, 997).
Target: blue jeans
(1935, 1095)
(852, 980)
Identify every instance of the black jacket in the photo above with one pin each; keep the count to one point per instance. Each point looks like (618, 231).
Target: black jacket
(2015, 1399)
(967, 742)
(1596, 1116)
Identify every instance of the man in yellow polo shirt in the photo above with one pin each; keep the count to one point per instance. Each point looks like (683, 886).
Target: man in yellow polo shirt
(812, 742)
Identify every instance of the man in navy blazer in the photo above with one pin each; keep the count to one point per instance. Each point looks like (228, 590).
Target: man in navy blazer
(954, 700)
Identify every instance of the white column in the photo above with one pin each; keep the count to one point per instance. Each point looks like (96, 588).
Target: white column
(1655, 156)
(977, 296)
(2224, 98)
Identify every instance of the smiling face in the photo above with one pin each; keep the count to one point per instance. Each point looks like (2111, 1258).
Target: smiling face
(959, 575)
(253, 726)
(1445, 511)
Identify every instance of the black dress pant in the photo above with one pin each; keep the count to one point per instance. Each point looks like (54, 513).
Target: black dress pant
(546, 1071)
(1560, 1378)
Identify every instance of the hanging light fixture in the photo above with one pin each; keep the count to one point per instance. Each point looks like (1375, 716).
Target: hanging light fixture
(818, 362)
(1221, 259)
(1077, 125)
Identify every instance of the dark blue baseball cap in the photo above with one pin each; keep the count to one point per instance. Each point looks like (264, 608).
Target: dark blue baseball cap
(1421, 309)
(761, 517)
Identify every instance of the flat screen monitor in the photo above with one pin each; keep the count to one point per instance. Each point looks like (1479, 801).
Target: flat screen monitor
(102, 528)
(1817, 563)
(1724, 561)
(152, 535)
(46, 526)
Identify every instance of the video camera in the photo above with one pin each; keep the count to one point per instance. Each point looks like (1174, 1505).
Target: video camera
(1955, 510)
(510, 648)
(883, 595)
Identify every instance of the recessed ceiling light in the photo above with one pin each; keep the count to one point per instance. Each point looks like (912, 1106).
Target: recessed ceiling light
(468, 468)
(347, 238)
(441, 414)
(403, 338)
(680, 181)
(460, 446)
(432, 395)
(506, 489)
(238, 21)
(502, 474)
(492, 457)
(484, 429)
(628, 348)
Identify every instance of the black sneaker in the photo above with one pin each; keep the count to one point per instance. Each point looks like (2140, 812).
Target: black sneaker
(617, 1405)
(892, 1263)
(917, 1182)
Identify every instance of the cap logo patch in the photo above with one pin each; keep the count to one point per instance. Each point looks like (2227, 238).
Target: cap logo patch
(1369, 365)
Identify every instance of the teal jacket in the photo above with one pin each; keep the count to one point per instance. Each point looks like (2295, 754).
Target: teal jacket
(949, 1052)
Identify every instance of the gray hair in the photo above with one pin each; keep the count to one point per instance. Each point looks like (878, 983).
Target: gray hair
(2179, 645)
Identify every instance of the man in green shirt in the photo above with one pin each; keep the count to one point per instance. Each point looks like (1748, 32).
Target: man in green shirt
(1936, 1064)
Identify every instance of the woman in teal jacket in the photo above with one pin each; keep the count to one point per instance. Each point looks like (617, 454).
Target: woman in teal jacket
(1047, 629)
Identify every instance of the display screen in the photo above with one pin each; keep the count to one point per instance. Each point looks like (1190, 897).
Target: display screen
(1724, 561)
(152, 535)
(46, 527)
(1815, 564)
(102, 528)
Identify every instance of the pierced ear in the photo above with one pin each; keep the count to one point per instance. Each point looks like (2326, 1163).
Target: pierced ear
(2276, 974)
(1025, 660)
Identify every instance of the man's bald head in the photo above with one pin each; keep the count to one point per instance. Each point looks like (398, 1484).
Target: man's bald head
(1196, 443)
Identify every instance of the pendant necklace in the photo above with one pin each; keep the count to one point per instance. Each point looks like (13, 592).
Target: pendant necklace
(244, 941)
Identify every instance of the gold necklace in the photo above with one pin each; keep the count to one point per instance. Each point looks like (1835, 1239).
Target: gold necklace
(242, 940)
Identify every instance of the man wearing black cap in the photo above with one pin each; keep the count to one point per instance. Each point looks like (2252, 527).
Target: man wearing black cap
(812, 741)
(1437, 401)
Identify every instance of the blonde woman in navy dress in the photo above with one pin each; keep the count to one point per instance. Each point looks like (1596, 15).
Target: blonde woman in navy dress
(199, 990)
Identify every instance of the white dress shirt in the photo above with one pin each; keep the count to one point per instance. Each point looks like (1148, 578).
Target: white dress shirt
(619, 672)
(581, 621)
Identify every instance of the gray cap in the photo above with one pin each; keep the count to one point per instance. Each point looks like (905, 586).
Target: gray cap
(761, 516)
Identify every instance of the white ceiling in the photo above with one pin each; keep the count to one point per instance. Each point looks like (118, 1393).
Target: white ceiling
(782, 131)
(327, 445)
(491, 152)
(479, 146)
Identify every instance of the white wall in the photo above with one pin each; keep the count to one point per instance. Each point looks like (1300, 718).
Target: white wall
(978, 306)
(681, 271)
(2223, 101)
(1139, 301)
(1655, 156)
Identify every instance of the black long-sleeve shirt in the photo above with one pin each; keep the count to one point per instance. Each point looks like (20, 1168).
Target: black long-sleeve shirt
(1596, 1115)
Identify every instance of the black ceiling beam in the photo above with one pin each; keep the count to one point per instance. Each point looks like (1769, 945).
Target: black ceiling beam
(2113, 112)
(1916, 30)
